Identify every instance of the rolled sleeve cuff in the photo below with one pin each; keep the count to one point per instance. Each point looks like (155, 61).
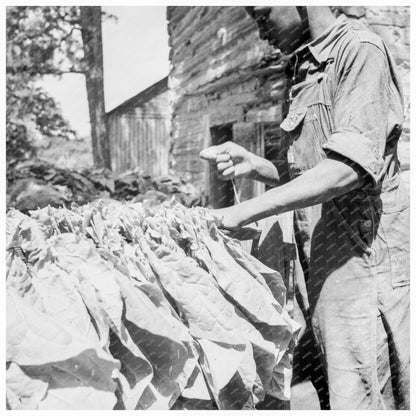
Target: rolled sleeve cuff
(359, 149)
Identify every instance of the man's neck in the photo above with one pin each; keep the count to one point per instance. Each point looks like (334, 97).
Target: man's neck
(320, 18)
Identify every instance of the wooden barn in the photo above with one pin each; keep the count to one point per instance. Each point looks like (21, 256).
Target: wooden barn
(227, 84)
(139, 131)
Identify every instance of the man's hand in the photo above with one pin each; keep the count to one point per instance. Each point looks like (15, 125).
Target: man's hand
(228, 218)
(232, 160)
(230, 222)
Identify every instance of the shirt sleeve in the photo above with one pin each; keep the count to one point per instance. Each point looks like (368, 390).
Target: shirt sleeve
(360, 111)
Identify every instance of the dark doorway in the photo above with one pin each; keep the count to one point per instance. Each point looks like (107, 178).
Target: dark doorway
(221, 192)
(276, 146)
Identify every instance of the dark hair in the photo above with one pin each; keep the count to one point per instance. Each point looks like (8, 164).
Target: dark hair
(301, 10)
(249, 9)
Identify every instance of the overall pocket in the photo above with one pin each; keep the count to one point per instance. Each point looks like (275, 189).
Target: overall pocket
(396, 233)
(308, 124)
(395, 224)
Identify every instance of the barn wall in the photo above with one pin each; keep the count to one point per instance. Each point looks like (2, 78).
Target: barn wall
(213, 52)
(139, 136)
(221, 73)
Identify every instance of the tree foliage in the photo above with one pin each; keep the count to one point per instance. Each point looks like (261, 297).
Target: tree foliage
(40, 41)
(44, 40)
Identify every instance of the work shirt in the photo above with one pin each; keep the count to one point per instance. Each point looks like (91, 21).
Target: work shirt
(346, 100)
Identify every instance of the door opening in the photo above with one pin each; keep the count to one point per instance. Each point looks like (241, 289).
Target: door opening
(221, 192)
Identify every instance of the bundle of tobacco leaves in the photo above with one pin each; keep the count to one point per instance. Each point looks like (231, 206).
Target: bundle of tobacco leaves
(113, 305)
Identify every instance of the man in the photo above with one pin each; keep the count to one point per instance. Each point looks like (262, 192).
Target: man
(352, 213)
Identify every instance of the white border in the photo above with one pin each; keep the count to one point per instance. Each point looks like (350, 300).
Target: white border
(211, 3)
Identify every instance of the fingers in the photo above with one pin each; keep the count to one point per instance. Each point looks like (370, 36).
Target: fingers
(228, 173)
(225, 170)
(222, 166)
(222, 157)
(215, 153)
(210, 153)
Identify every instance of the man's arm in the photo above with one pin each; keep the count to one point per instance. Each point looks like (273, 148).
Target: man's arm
(329, 179)
(264, 171)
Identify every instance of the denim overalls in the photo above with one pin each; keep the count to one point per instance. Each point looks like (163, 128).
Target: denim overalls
(346, 100)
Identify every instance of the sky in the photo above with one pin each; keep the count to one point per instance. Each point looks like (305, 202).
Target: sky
(136, 55)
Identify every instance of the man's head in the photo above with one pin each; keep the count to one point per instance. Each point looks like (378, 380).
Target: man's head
(284, 27)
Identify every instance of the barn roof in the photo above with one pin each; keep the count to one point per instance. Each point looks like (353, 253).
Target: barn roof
(142, 96)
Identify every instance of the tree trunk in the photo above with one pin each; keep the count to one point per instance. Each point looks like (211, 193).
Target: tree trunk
(94, 73)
